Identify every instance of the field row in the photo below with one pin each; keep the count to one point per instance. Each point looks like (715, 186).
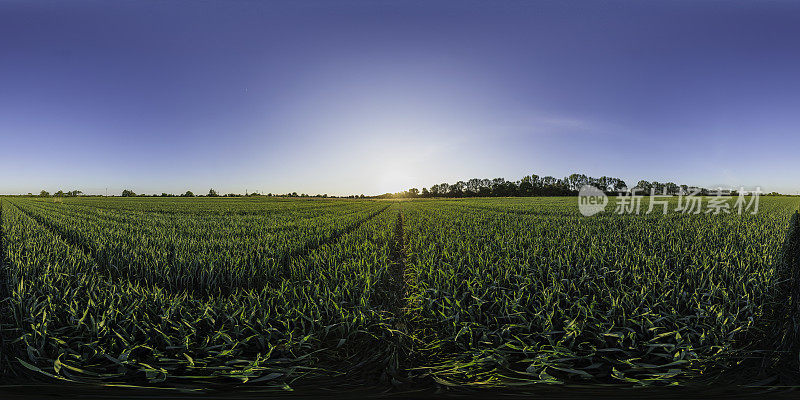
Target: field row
(459, 292)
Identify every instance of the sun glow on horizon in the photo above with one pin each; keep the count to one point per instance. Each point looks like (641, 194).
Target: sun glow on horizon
(394, 179)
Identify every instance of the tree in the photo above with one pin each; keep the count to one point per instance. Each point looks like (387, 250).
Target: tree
(456, 189)
(562, 186)
(128, 193)
(59, 193)
(44, 193)
(672, 188)
(188, 194)
(473, 186)
(576, 181)
(530, 185)
(525, 187)
(212, 193)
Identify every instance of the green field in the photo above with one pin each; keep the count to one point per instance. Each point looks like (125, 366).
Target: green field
(188, 292)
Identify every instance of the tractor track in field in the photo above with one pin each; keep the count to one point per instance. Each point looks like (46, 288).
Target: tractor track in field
(398, 271)
(395, 294)
(105, 270)
(305, 250)
(5, 294)
(123, 218)
(4, 262)
(2, 251)
(88, 251)
(60, 232)
(184, 213)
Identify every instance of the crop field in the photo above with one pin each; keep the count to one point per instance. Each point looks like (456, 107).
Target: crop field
(270, 292)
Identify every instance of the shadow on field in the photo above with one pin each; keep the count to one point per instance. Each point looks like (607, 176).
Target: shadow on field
(772, 362)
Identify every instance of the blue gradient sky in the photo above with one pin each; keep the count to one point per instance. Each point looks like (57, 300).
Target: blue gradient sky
(368, 97)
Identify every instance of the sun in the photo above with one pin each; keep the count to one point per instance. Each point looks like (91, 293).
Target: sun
(392, 180)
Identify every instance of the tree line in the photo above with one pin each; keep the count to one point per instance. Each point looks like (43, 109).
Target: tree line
(530, 185)
(60, 193)
(534, 185)
(211, 193)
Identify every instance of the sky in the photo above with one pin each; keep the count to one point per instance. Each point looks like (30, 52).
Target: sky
(350, 97)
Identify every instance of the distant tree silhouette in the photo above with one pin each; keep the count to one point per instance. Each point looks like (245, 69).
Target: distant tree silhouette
(534, 185)
(672, 188)
(645, 186)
